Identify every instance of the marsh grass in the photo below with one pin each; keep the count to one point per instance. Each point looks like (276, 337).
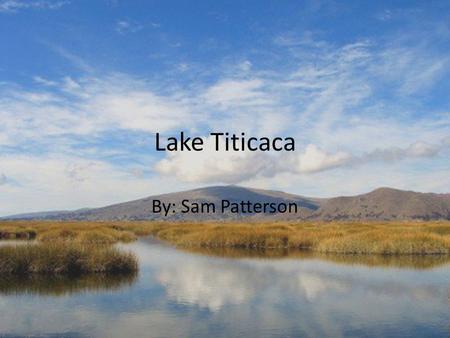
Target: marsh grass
(17, 233)
(63, 258)
(385, 238)
(82, 232)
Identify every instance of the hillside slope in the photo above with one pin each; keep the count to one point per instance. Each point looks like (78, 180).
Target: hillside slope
(387, 204)
(142, 208)
(380, 204)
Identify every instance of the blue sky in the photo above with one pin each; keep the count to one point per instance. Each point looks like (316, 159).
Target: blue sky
(84, 86)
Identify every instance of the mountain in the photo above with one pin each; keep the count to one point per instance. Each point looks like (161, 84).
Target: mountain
(380, 204)
(38, 215)
(55, 214)
(142, 208)
(387, 204)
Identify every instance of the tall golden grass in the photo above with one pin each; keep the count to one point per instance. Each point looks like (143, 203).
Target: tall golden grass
(388, 238)
(67, 248)
(82, 232)
(65, 259)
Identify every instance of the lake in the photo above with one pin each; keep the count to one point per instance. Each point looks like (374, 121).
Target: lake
(210, 294)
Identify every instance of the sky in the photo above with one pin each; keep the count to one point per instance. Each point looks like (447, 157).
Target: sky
(363, 87)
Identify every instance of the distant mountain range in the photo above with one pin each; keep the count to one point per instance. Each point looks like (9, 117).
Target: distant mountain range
(380, 204)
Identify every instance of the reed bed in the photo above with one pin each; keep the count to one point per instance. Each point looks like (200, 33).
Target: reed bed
(385, 238)
(82, 232)
(62, 258)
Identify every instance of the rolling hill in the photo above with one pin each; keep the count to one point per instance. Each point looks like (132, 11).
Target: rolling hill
(380, 204)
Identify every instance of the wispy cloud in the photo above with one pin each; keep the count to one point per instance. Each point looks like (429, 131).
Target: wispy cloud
(210, 166)
(76, 60)
(329, 104)
(353, 108)
(91, 181)
(12, 6)
(384, 15)
(410, 70)
(230, 93)
(342, 120)
(43, 81)
(129, 26)
(3, 179)
(89, 106)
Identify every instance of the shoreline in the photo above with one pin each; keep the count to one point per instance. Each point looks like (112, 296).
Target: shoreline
(352, 238)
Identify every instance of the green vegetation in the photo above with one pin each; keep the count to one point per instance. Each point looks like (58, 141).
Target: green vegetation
(64, 259)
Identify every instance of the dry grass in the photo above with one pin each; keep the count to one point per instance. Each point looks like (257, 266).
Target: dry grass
(62, 258)
(67, 248)
(82, 232)
(388, 238)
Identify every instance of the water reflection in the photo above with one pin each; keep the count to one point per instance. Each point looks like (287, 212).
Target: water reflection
(63, 285)
(8, 242)
(180, 294)
(214, 284)
(399, 261)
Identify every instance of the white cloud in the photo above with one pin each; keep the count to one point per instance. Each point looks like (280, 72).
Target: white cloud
(12, 6)
(327, 98)
(139, 110)
(315, 285)
(245, 66)
(71, 86)
(205, 285)
(128, 26)
(97, 105)
(315, 159)
(43, 81)
(385, 15)
(291, 39)
(210, 166)
(411, 70)
(73, 58)
(58, 182)
(229, 93)
(415, 150)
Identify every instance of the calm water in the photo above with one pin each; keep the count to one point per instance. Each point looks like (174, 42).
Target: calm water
(180, 294)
